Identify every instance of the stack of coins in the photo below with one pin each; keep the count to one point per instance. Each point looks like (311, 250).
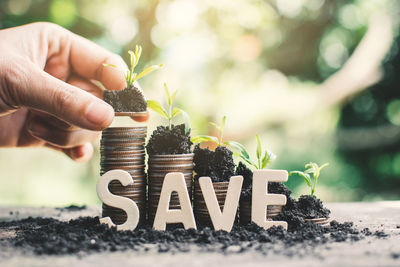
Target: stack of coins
(158, 167)
(122, 148)
(320, 221)
(200, 208)
(245, 211)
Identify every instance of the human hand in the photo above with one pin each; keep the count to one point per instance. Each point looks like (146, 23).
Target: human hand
(47, 94)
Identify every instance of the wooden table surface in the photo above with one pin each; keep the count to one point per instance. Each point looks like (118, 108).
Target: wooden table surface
(371, 251)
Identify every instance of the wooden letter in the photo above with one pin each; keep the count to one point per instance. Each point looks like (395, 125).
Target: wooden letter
(222, 220)
(261, 199)
(126, 204)
(174, 182)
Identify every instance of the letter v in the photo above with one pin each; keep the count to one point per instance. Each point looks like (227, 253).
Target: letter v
(222, 220)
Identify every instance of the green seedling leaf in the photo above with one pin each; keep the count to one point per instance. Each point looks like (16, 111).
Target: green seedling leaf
(156, 107)
(109, 65)
(175, 112)
(323, 166)
(248, 161)
(148, 70)
(269, 156)
(258, 152)
(204, 138)
(303, 175)
(222, 127)
(215, 125)
(173, 96)
(169, 101)
(185, 116)
(264, 161)
(131, 76)
(239, 147)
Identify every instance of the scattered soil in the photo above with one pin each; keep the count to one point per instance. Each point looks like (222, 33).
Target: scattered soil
(47, 236)
(164, 141)
(128, 100)
(218, 164)
(72, 208)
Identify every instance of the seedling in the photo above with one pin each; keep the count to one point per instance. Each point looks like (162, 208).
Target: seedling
(218, 140)
(131, 76)
(313, 170)
(171, 112)
(263, 158)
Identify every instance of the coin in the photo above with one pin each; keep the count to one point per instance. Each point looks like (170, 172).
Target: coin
(158, 167)
(122, 148)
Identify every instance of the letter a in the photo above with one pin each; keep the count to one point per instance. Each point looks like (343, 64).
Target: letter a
(222, 220)
(174, 182)
(126, 204)
(261, 199)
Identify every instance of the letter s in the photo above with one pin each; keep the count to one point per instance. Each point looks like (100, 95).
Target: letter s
(126, 204)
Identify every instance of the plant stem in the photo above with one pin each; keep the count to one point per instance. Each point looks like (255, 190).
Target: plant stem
(220, 137)
(170, 116)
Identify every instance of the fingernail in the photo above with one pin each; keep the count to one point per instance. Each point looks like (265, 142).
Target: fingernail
(100, 113)
(38, 130)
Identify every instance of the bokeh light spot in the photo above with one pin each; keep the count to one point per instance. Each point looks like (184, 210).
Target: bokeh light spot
(124, 29)
(63, 12)
(393, 112)
(18, 7)
(247, 48)
(289, 8)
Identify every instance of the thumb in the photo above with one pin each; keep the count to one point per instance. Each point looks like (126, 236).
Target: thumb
(46, 93)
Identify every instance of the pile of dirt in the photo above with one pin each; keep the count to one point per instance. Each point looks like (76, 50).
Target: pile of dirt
(164, 141)
(294, 212)
(47, 236)
(218, 164)
(128, 100)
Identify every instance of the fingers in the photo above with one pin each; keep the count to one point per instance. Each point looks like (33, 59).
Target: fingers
(46, 93)
(142, 118)
(86, 85)
(80, 153)
(87, 60)
(58, 136)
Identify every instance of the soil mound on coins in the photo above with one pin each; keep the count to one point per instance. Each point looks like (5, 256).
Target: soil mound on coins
(128, 100)
(218, 164)
(47, 236)
(294, 212)
(312, 207)
(164, 141)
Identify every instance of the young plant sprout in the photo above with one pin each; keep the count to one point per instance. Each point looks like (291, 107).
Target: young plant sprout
(171, 112)
(218, 140)
(313, 170)
(131, 76)
(263, 158)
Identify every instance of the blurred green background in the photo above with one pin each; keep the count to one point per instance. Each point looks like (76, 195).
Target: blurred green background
(316, 79)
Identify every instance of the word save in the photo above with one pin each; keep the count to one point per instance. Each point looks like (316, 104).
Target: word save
(175, 182)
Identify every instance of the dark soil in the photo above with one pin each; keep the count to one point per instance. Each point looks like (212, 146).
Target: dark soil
(218, 164)
(164, 141)
(128, 100)
(312, 207)
(47, 236)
